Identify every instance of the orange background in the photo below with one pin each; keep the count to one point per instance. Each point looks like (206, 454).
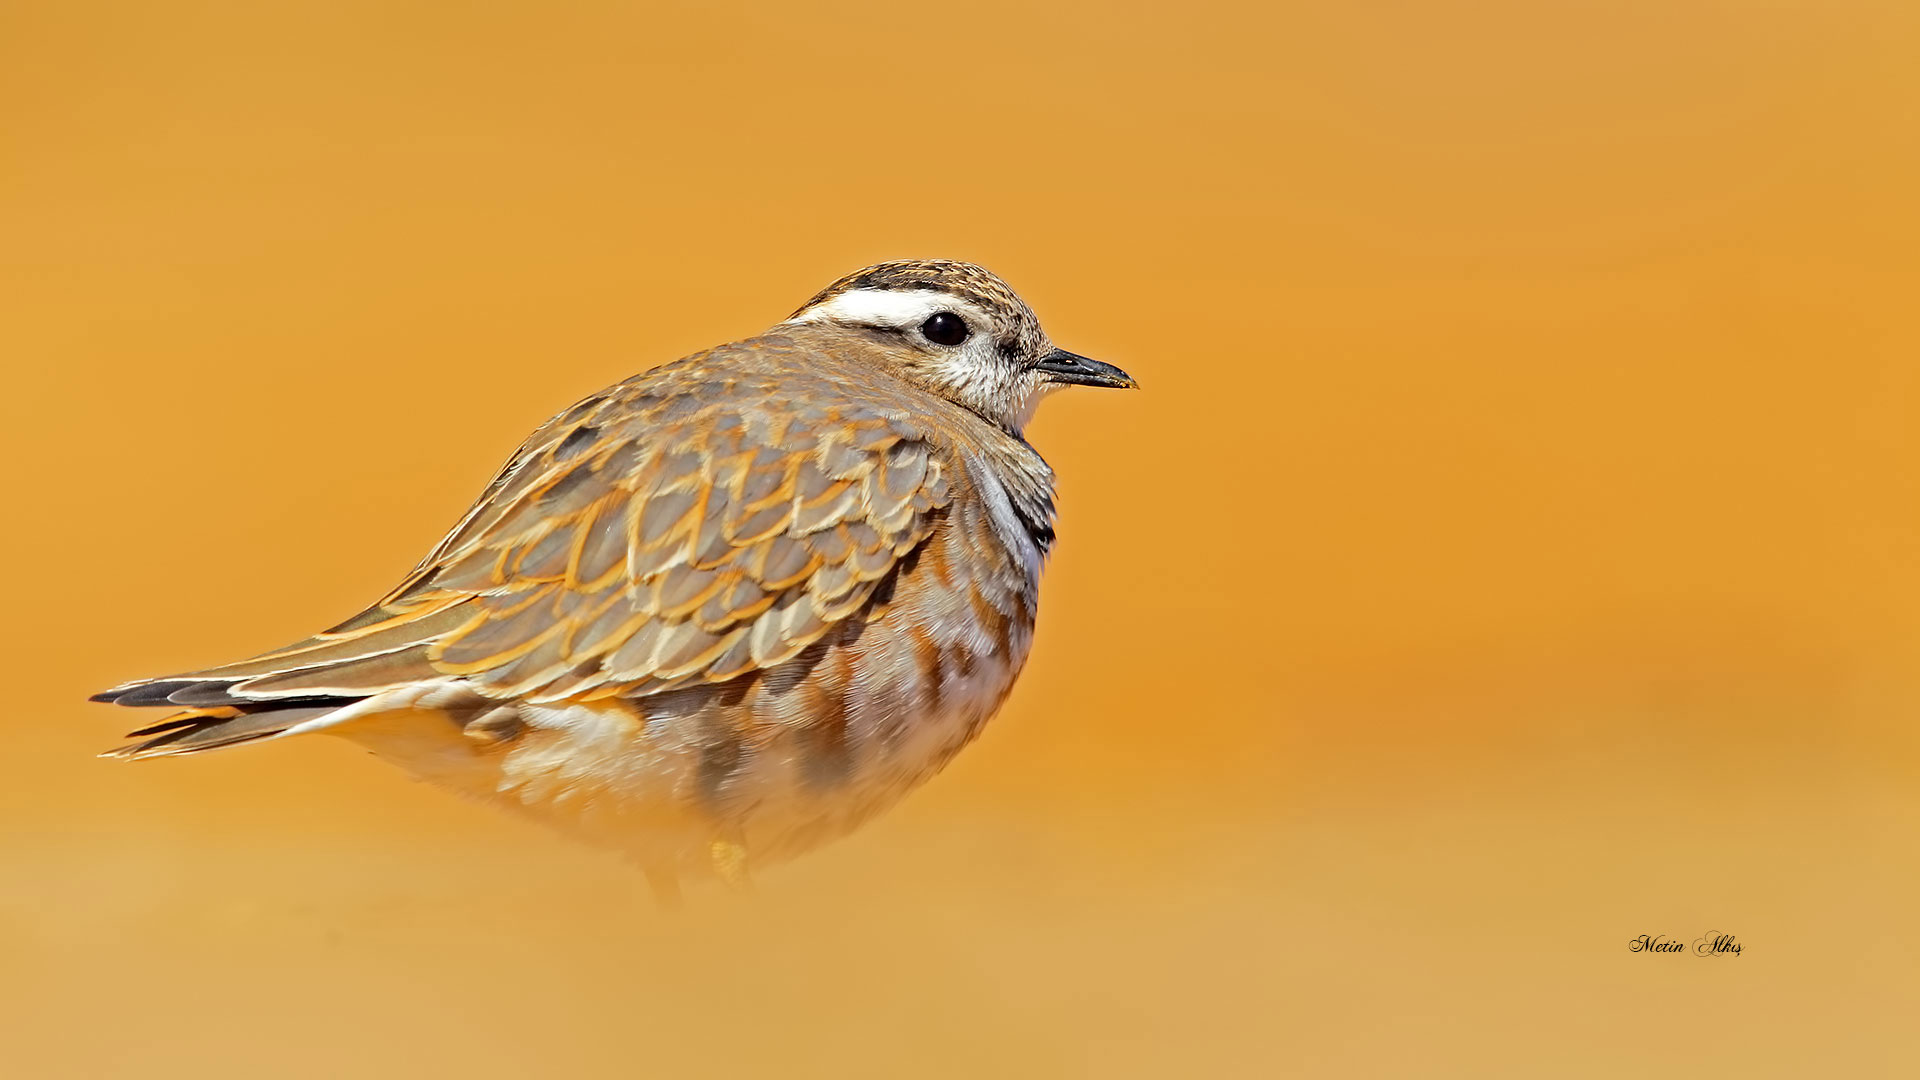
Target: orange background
(1513, 550)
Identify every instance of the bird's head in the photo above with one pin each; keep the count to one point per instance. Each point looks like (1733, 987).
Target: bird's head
(959, 331)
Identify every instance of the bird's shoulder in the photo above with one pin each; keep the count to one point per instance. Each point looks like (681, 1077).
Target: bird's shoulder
(791, 381)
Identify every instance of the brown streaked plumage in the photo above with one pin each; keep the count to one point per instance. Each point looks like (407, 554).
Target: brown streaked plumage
(723, 610)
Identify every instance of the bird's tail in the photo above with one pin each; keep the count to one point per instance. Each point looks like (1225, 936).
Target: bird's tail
(194, 730)
(382, 648)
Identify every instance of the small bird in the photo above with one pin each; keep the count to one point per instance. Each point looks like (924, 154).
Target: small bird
(721, 612)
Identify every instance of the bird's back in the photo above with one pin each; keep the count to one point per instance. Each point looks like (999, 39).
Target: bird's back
(744, 601)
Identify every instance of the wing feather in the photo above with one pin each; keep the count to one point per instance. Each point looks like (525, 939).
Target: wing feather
(677, 528)
(715, 554)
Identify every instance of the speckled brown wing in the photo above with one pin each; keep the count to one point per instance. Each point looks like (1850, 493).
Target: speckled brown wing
(665, 541)
(687, 526)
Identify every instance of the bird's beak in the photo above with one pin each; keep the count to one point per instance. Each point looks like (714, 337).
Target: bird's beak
(1062, 366)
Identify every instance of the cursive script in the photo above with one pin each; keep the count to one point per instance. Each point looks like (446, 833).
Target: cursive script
(1714, 943)
(1711, 943)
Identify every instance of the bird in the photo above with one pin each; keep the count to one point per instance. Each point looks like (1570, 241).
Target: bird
(720, 612)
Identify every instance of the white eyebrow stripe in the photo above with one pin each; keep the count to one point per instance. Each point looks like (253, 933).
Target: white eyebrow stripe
(886, 307)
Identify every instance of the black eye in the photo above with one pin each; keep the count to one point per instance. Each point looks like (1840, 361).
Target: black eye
(945, 328)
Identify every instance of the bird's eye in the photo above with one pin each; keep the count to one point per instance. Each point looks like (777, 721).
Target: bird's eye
(945, 328)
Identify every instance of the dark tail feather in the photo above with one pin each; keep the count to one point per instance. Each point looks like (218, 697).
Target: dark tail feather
(210, 729)
(201, 693)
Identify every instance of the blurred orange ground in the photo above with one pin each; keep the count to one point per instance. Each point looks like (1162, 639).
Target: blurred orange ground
(1513, 551)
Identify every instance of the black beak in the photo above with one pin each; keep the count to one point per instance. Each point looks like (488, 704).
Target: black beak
(1062, 366)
